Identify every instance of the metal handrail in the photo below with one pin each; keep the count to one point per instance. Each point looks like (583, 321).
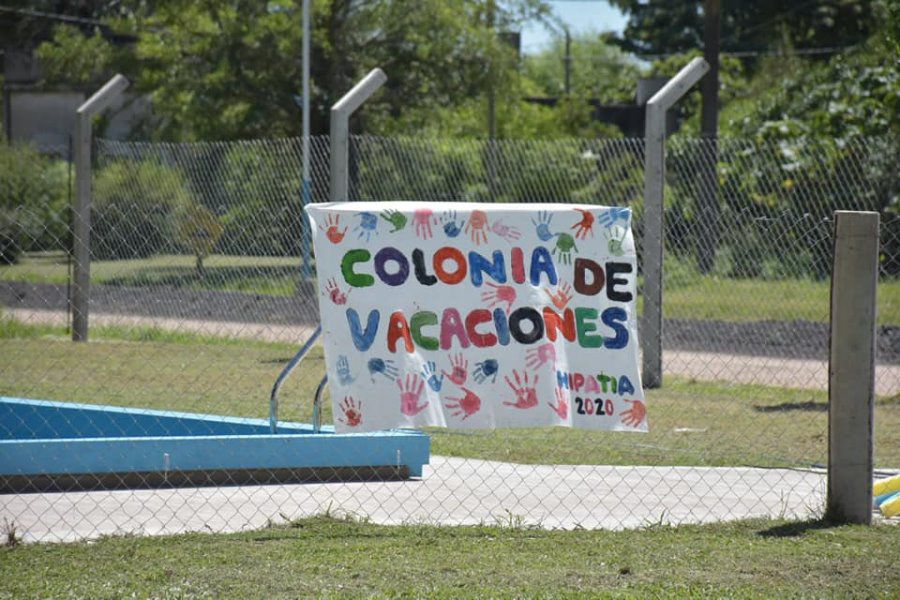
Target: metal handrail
(317, 404)
(273, 397)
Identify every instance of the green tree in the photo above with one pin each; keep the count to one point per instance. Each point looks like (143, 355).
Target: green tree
(226, 69)
(662, 27)
(71, 57)
(198, 231)
(598, 69)
(230, 69)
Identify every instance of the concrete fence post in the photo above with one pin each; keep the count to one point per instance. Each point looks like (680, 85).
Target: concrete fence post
(340, 131)
(81, 211)
(851, 368)
(654, 183)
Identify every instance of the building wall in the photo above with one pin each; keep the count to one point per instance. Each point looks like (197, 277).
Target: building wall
(47, 118)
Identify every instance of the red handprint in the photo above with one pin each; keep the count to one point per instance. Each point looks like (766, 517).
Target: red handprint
(335, 293)
(635, 415)
(561, 296)
(526, 397)
(459, 369)
(537, 357)
(422, 220)
(499, 294)
(332, 232)
(585, 225)
(466, 406)
(409, 395)
(352, 412)
(561, 407)
(477, 226)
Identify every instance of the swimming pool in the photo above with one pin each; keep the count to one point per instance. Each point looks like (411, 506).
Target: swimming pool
(59, 446)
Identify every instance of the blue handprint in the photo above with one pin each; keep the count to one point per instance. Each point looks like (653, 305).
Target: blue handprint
(486, 369)
(614, 215)
(343, 370)
(378, 366)
(429, 374)
(368, 225)
(451, 227)
(542, 226)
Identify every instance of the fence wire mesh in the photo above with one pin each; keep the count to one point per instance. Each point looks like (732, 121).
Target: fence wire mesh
(203, 288)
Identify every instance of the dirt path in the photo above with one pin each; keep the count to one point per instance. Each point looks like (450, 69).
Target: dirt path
(704, 366)
(797, 339)
(268, 332)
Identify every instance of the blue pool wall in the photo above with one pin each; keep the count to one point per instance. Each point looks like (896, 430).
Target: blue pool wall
(49, 438)
(22, 418)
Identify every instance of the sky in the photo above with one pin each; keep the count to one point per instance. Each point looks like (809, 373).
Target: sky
(580, 15)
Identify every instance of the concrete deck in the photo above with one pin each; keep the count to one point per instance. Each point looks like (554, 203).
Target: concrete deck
(452, 491)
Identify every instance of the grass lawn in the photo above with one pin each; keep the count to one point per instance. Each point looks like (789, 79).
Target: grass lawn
(692, 423)
(687, 294)
(337, 557)
(756, 300)
(273, 275)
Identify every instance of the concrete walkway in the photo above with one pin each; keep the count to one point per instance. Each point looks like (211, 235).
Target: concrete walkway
(452, 491)
(703, 366)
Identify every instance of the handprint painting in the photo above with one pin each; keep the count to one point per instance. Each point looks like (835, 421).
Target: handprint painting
(479, 316)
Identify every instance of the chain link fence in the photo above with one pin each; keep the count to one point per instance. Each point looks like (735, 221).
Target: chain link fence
(203, 288)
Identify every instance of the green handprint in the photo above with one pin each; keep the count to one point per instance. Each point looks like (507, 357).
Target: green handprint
(564, 245)
(614, 243)
(395, 218)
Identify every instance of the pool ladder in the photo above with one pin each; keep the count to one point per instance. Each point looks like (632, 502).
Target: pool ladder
(287, 370)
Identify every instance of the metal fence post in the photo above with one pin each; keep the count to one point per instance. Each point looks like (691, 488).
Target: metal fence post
(81, 214)
(306, 186)
(851, 367)
(654, 181)
(340, 130)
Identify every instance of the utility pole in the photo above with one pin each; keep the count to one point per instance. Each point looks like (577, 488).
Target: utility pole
(489, 162)
(306, 185)
(492, 98)
(706, 234)
(568, 60)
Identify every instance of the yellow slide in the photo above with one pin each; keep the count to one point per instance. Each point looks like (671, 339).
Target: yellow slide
(886, 486)
(891, 506)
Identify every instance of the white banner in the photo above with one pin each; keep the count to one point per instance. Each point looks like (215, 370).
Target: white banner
(479, 315)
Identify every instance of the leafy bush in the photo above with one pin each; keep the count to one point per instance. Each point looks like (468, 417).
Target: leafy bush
(262, 191)
(836, 130)
(11, 236)
(33, 197)
(133, 207)
(405, 168)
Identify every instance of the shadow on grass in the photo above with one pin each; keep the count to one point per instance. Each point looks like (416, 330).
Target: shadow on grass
(795, 528)
(244, 278)
(889, 400)
(809, 405)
